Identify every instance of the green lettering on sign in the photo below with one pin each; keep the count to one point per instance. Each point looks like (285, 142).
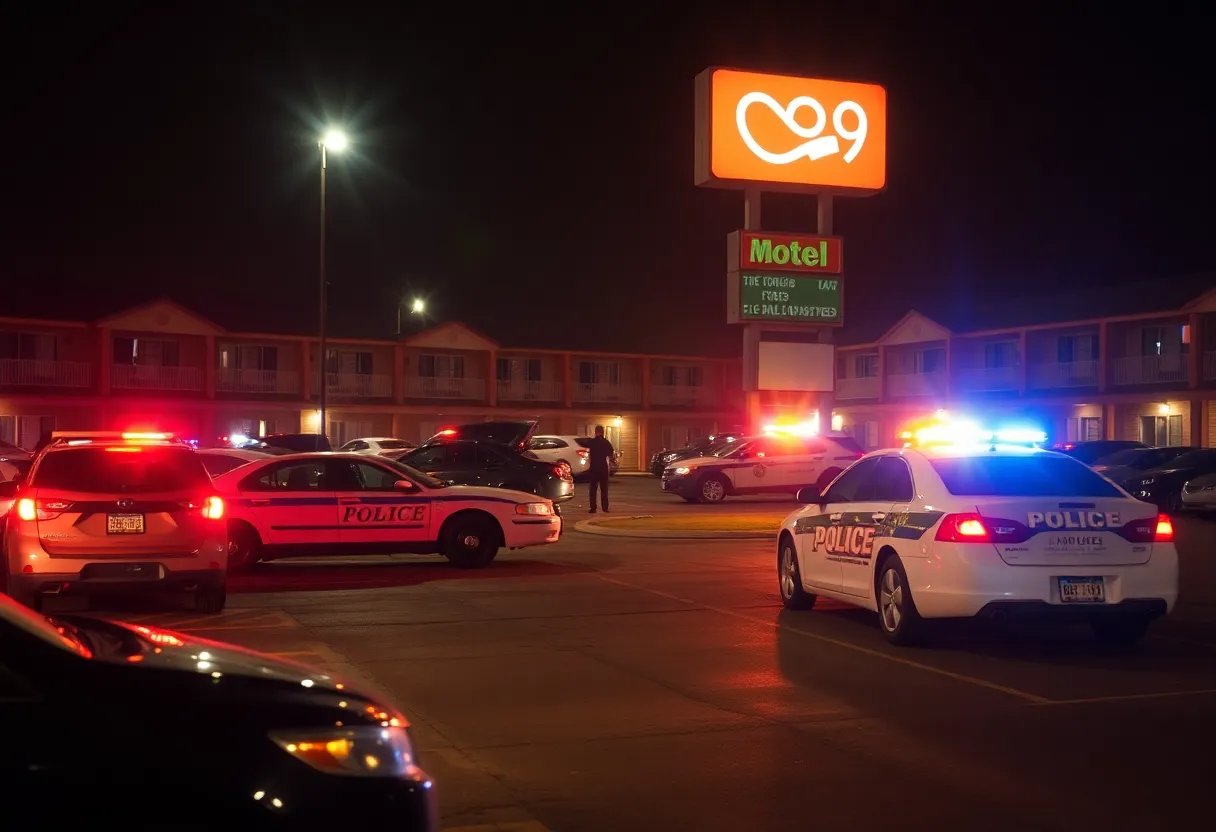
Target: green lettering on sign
(790, 298)
(762, 251)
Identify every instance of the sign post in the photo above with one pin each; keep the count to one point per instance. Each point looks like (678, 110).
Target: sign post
(759, 132)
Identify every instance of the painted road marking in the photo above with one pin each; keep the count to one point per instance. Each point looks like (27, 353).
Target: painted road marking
(1130, 697)
(1025, 696)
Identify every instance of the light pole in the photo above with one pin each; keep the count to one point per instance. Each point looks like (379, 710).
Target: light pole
(334, 140)
(417, 307)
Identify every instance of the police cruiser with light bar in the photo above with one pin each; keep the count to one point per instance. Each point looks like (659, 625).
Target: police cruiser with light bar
(982, 529)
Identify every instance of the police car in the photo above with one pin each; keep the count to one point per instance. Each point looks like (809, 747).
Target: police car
(980, 530)
(771, 463)
(345, 503)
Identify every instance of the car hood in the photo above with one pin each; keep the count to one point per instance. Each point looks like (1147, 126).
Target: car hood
(1118, 473)
(484, 492)
(689, 462)
(1159, 473)
(1200, 482)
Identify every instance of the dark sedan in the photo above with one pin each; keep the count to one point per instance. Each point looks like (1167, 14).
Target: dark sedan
(1122, 465)
(1091, 451)
(470, 462)
(129, 727)
(705, 446)
(1163, 485)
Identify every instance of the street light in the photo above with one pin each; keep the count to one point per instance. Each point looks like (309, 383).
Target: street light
(334, 140)
(417, 307)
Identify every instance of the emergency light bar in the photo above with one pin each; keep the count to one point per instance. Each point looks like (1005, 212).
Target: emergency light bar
(947, 433)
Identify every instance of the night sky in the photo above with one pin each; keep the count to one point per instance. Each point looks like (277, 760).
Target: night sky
(532, 175)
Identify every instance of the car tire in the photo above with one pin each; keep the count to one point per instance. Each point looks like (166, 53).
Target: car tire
(901, 624)
(712, 489)
(789, 577)
(244, 547)
(210, 600)
(1121, 631)
(471, 541)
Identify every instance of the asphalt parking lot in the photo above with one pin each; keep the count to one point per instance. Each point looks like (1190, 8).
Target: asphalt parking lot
(612, 684)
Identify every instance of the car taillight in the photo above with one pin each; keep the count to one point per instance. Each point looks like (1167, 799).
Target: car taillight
(213, 508)
(962, 528)
(562, 471)
(1165, 530)
(30, 509)
(583, 452)
(26, 509)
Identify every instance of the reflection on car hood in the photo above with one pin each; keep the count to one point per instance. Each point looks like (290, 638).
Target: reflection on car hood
(699, 460)
(1205, 480)
(475, 492)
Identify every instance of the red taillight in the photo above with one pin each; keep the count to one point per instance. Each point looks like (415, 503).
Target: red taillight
(213, 508)
(962, 528)
(583, 452)
(562, 470)
(26, 509)
(1165, 530)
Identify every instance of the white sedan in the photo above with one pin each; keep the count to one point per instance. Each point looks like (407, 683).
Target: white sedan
(981, 531)
(376, 445)
(337, 503)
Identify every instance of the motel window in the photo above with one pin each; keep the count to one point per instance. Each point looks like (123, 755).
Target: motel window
(931, 360)
(599, 372)
(865, 366)
(441, 366)
(28, 346)
(1090, 428)
(25, 431)
(1001, 354)
(150, 352)
(510, 369)
(676, 375)
(1073, 348)
(249, 357)
(348, 362)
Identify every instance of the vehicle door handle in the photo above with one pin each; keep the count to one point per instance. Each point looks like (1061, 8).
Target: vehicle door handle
(259, 502)
(350, 499)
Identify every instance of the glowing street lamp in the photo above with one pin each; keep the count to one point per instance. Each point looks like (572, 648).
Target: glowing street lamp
(417, 307)
(333, 140)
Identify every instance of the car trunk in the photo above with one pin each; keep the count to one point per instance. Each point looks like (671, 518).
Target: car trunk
(1042, 531)
(71, 525)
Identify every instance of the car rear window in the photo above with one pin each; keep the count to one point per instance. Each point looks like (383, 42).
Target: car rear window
(1027, 476)
(394, 444)
(584, 441)
(122, 470)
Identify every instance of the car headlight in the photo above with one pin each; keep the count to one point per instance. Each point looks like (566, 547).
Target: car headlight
(362, 751)
(682, 471)
(533, 508)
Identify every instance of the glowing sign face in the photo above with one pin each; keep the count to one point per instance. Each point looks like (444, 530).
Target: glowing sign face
(789, 299)
(775, 251)
(791, 133)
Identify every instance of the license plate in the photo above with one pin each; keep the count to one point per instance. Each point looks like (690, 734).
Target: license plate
(1082, 590)
(124, 524)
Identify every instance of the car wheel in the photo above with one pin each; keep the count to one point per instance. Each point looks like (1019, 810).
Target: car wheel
(210, 600)
(897, 615)
(712, 489)
(472, 541)
(1173, 503)
(244, 547)
(789, 577)
(1123, 630)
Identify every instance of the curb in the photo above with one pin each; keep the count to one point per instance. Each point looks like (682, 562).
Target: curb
(594, 527)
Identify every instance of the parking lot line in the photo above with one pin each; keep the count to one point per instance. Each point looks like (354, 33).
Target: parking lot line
(1131, 697)
(1025, 696)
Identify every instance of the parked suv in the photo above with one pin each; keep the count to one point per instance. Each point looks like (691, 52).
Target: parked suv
(115, 514)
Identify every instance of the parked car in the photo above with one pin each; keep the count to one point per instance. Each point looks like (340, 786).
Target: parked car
(1121, 465)
(1090, 452)
(471, 462)
(251, 741)
(222, 460)
(513, 434)
(705, 446)
(1199, 494)
(297, 443)
(571, 451)
(1163, 485)
(376, 445)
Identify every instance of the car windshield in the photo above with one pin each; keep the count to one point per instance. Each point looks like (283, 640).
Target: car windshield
(23, 618)
(414, 474)
(122, 469)
(1194, 459)
(1126, 457)
(847, 442)
(734, 448)
(1021, 476)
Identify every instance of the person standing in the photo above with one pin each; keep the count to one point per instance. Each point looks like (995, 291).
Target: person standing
(600, 467)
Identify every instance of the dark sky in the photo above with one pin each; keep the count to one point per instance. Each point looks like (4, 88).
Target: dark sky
(532, 173)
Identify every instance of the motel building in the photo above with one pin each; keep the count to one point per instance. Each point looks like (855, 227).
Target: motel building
(160, 366)
(1145, 372)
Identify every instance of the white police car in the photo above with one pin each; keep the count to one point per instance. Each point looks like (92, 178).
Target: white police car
(345, 503)
(983, 530)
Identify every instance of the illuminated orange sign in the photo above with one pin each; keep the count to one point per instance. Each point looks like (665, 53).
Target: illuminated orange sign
(790, 133)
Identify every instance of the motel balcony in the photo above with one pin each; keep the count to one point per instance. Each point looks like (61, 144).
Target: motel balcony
(1151, 369)
(268, 382)
(901, 385)
(530, 391)
(359, 385)
(987, 379)
(671, 395)
(607, 394)
(1062, 374)
(30, 372)
(1209, 366)
(866, 387)
(435, 387)
(153, 377)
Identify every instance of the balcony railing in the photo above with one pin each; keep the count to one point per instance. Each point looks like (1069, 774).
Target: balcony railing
(151, 377)
(988, 379)
(1151, 369)
(529, 391)
(857, 388)
(359, 385)
(428, 387)
(679, 395)
(917, 384)
(607, 393)
(1063, 374)
(31, 372)
(273, 382)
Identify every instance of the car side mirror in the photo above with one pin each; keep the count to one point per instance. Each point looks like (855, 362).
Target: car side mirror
(811, 496)
(404, 485)
(9, 488)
